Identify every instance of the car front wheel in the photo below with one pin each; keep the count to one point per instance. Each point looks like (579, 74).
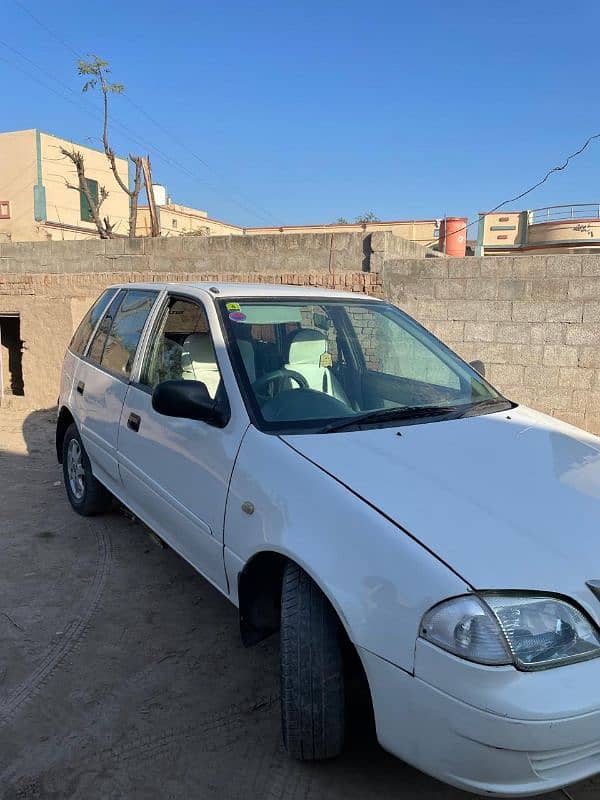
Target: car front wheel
(86, 494)
(312, 673)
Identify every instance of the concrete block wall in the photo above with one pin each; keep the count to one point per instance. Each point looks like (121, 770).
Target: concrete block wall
(321, 253)
(533, 320)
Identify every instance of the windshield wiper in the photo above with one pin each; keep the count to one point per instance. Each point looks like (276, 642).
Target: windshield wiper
(389, 415)
(493, 403)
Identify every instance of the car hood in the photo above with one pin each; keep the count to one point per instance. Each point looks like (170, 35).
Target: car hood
(507, 500)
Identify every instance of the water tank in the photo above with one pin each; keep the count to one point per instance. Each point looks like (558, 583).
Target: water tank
(453, 236)
(160, 194)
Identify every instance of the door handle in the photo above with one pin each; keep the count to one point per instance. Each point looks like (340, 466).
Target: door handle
(133, 422)
(80, 387)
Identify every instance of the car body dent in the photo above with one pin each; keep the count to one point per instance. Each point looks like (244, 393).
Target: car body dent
(378, 579)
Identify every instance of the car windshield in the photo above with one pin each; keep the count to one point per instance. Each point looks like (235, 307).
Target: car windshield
(328, 365)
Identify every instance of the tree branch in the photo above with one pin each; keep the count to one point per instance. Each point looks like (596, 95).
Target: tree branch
(104, 227)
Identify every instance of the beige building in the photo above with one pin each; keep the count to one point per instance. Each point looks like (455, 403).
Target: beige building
(555, 229)
(177, 220)
(35, 203)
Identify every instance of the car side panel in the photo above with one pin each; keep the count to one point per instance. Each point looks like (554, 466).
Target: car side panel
(379, 580)
(97, 412)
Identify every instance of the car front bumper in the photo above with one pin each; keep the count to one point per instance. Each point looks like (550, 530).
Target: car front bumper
(489, 730)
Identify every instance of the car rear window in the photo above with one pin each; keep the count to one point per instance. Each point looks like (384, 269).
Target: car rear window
(88, 324)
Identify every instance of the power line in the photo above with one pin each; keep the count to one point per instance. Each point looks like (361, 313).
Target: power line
(247, 206)
(535, 186)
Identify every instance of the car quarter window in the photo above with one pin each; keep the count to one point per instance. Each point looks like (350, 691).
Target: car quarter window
(87, 325)
(118, 335)
(181, 347)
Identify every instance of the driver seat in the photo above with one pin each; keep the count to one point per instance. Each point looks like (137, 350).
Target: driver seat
(306, 349)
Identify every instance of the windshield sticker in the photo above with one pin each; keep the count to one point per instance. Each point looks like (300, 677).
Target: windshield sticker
(232, 306)
(237, 316)
(325, 361)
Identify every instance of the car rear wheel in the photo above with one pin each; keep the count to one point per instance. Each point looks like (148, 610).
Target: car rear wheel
(312, 670)
(86, 494)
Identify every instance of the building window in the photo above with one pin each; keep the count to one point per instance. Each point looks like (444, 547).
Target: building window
(174, 223)
(84, 206)
(4, 209)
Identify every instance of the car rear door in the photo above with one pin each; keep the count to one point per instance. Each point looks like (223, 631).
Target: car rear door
(176, 472)
(102, 377)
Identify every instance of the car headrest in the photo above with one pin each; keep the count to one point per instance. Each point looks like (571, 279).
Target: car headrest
(307, 347)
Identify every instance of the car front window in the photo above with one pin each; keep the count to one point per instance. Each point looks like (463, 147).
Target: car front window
(323, 365)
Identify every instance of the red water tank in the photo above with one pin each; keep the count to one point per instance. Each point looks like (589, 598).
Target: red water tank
(453, 236)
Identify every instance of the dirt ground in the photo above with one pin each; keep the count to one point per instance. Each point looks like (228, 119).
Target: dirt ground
(122, 674)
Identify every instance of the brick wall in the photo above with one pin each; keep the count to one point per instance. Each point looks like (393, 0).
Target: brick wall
(533, 320)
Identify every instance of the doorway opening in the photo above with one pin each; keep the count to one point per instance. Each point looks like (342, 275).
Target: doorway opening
(11, 353)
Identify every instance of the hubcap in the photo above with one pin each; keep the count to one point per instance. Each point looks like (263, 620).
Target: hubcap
(75, 469)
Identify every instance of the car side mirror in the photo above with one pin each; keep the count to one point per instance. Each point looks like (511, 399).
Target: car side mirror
(478, 366)
(188, 400)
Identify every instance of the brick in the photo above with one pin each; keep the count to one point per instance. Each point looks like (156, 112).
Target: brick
(526, 311)
(450, 289)
(564, 311)
(590, 265)
(514, 289)
(591, 312)
(551, 332)
(576, 377)
(497, 267)
(506, 374)
(563, 266)
(583, 334)
(541, 376)
(584, 288)
(589, 357)
(432, 309)
(549, 289)
(517, 332)
(499, 310)
(479, 331)
(526, 266)
(463, 310)
(448, 330)
(560, 355)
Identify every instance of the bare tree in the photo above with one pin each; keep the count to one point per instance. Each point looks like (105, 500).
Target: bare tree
(98, 69)
(104, 226)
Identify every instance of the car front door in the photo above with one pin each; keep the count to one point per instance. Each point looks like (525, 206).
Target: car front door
(102, 376)
(175, 471)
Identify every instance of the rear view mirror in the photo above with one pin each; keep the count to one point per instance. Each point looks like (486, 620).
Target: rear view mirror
(478, 366)
(188, 400)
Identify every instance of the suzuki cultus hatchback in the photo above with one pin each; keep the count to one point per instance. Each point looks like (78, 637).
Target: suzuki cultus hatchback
(342, 476)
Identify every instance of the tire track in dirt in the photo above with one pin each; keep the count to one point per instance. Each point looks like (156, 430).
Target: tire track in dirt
(56, 653)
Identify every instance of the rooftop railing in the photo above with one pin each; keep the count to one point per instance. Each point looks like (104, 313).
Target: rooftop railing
(564, 213)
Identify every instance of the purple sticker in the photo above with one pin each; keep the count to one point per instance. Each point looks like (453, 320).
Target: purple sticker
(237, 316)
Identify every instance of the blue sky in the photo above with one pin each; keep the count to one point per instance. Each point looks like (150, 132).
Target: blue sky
(308, 111)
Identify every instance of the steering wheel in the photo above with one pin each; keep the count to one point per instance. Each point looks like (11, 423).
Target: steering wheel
(279, 374)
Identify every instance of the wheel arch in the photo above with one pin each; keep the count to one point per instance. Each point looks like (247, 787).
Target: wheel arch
(65, 419)
(259, 594)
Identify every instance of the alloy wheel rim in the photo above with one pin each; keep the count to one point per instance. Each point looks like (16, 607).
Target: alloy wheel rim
(75, 469)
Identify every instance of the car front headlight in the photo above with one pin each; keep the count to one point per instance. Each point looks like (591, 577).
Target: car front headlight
(529, 631)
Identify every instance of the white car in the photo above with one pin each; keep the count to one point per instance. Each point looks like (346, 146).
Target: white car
(341, 475)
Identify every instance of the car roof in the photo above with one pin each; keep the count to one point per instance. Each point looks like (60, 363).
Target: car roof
(224, 290)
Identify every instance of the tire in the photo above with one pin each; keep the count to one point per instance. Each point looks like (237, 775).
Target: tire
(312, 670)
(86, 494)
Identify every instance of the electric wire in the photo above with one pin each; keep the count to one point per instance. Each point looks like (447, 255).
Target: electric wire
(247, 205)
